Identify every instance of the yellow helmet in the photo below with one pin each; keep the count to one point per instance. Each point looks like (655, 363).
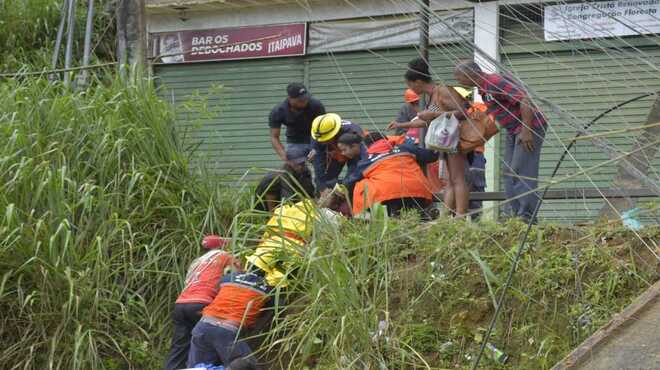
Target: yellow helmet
(465, 93)
(325, 127)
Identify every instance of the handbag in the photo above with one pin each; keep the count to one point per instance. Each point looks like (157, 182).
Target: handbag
(477, 129)
(443, 134)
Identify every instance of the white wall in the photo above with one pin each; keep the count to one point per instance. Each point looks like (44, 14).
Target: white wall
(326, 10)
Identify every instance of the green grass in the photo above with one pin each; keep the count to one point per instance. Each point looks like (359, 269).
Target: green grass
(101, 213)
(434, 288)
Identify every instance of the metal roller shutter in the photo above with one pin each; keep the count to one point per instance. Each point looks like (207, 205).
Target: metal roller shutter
(367, 87)
(232, 137)
(582, 79)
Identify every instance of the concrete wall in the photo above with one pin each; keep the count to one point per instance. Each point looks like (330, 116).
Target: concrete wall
(283, 13)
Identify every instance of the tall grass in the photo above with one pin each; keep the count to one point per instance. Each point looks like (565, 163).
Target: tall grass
(101, 213)
(29, 28)
(389, 295)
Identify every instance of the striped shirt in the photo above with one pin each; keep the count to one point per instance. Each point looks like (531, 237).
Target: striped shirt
(241, 299)
(503, 96)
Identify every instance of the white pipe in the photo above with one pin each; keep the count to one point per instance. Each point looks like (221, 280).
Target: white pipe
(60, 32)
(88, 33)
(71, 22)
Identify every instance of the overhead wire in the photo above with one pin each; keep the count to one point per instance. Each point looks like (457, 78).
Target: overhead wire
(512, 271)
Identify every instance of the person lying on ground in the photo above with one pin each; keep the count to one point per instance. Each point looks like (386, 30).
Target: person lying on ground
(390, 175)
(201, 286)
(244, 297)
(328, 161)
(293, 182)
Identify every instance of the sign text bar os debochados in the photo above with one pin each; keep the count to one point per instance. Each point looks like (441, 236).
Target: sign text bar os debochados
(229, 43)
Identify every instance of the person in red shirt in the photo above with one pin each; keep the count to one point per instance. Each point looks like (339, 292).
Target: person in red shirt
(509, 104)
(201, 287)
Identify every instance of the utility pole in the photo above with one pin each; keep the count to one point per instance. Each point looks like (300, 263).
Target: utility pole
(424, 50)
(424, 29)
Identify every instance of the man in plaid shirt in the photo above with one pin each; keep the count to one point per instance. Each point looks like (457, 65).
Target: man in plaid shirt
(509, 104)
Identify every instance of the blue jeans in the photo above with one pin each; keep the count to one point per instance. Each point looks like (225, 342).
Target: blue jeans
(304, 147)
(477, 175)
(215, 345)
(521, 169)
(184, 317)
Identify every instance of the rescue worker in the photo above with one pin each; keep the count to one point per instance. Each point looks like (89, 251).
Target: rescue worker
(201, 286)
(293, 181)
(390, 175)
(407, 113)
(328, 161)
(245, 296)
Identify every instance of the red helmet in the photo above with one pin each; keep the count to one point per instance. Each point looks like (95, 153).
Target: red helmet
(214, 242)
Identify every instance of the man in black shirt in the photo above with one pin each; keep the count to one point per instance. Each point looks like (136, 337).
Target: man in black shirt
(297, 113)
(292, 182)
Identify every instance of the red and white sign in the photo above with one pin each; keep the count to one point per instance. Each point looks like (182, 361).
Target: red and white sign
(229, 43)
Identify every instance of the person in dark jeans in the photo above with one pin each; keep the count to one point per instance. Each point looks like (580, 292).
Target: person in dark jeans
(216, 339)
(202, 282)
(293, 182)
(296, 112)
(477, 174)
(510, 105)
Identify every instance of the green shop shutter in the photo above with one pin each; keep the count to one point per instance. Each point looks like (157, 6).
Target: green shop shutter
(232, 136)
(367, 87)
(583, 79)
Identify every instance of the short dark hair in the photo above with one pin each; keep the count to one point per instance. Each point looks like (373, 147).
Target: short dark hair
(373, 137)
(418, 70)
(350, 138)
(468, 67)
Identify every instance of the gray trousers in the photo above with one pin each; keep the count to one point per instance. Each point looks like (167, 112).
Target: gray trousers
(521, 168)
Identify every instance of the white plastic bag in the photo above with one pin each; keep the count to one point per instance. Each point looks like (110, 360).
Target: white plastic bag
(443, 134)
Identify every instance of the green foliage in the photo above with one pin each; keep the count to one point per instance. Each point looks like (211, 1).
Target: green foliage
(29, 29)
(102, 213)
(432, 288)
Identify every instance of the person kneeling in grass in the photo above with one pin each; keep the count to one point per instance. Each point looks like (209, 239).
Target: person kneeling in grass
(391, 174)
(202, 281)
(245, 297)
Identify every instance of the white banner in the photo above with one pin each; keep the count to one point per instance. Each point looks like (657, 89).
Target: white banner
(601, 19)
(362, 34)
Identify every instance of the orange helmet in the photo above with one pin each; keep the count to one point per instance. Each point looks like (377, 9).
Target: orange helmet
(410, 96)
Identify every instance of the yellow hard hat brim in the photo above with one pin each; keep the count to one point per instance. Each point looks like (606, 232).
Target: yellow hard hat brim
(462, 91)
